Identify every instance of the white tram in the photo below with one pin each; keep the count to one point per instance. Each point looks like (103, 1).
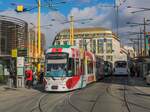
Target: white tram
(68, 68)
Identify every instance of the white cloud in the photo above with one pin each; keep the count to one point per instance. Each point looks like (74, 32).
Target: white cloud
(103, 17)
(45, 20)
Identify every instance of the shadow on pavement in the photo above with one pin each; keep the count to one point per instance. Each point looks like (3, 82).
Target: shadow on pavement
(130, 81)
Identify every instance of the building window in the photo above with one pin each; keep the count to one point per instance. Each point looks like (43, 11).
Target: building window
(91, 47)
(94, 46)
(3, 44)
(57, 42)
(90, 67)
(74, 42)
(109, 58)
(109, 46)
(65, 42)
(80, 43)
(102, 57)
(85, 44)
(100, 47)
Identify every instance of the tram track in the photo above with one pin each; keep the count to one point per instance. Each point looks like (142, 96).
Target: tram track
(38, 106)
(93, 101)
(19, 100)
(124, 99)
(68, 99)
(127, 103)
(43, 105)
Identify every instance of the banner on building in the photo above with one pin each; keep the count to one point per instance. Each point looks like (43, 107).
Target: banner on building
(147, 36)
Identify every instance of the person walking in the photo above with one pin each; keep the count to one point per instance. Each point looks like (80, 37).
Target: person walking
(35, 78)
(132, 71)
(29, 78)
(41, 76)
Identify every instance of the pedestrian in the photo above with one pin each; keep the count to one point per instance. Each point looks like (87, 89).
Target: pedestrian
(29, 78)
(41, 77)
(137, 70)
(35, 79)
(12, 79)
(132, 70)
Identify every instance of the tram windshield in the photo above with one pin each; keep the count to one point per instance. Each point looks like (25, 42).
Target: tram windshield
(56, 65)
(120, 64)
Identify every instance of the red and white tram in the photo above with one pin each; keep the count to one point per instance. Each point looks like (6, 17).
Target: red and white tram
(69, 68)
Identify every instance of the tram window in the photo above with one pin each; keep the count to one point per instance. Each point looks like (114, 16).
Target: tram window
(90, 67)
(120, 64)
(77, 66)
(71, 66)
(82, 67)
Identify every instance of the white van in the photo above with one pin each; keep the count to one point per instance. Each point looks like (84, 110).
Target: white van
(121, 68)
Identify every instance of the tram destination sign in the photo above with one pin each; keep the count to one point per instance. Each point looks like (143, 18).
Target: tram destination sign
(55, 55)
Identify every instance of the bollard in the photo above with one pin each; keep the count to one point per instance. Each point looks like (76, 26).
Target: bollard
(20, 82)
(10, 83)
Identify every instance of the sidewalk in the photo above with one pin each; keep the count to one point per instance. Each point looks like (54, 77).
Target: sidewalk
(6, 88)
(140, 84)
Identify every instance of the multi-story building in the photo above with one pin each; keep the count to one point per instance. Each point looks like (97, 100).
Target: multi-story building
(101, 41)
(15, 36)
(131, 51)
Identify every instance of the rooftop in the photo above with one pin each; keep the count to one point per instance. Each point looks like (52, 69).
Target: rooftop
(91, 29)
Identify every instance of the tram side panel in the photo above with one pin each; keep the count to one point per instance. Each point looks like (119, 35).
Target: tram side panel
(89, 67)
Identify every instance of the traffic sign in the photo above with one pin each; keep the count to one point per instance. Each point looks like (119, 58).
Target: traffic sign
(20, 61)
(14, 53)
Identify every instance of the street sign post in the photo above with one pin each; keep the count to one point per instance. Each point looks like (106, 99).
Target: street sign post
(20, 61)
(20, 71)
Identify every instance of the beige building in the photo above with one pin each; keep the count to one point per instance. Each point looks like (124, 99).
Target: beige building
(101, 41)
(131, 51)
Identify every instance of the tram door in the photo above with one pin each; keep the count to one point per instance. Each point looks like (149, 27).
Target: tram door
(83, 76)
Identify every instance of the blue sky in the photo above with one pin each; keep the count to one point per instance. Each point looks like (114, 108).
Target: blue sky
(63, 8)
(81, 9)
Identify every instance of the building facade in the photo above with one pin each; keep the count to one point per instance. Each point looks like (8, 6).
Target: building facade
(15, 35)
(103, 42)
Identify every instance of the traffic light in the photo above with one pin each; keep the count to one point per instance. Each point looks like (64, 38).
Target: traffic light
(20, 8)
